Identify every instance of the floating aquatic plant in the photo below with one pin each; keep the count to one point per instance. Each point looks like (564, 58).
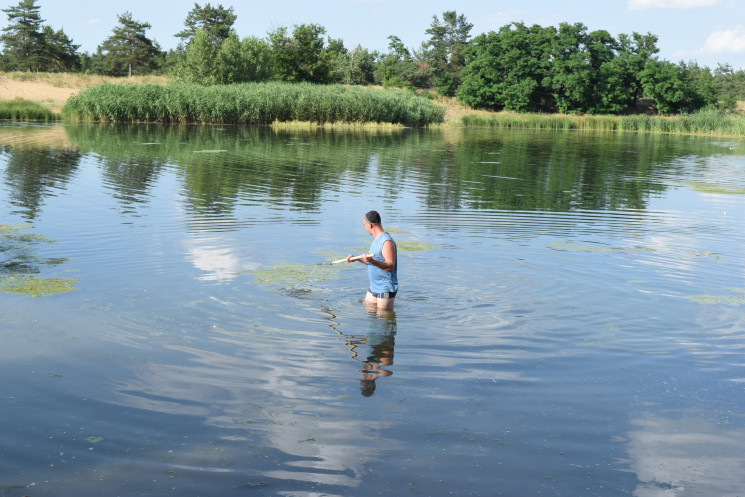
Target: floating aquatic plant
(571, 247)
(294, 273)
(36, 287)
(414, 246)
(395, 231)
(737, 299)
(719, 299)
(716, 189)
(11, 228)
(21, 261)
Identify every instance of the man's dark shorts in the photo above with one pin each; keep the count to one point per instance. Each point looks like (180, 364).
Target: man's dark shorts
(384, 295)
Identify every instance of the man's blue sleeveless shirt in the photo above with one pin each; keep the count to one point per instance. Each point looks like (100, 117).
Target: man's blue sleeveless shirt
(382, 281)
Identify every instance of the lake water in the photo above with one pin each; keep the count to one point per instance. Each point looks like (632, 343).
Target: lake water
(571, 318)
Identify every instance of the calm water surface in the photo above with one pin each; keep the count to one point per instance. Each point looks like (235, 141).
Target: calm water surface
(571, 319)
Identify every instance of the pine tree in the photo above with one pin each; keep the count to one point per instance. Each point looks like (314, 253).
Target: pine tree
(129, 45)
(60, 52)
(23, 38)
(216, 22)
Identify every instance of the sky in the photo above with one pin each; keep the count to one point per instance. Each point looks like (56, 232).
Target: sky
(709, 32)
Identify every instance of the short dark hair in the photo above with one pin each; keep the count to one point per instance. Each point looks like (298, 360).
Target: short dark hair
(373, 217)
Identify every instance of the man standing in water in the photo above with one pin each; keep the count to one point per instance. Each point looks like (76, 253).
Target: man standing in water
(382, 267)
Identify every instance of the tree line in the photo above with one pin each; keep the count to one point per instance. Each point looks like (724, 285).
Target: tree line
(566, 69)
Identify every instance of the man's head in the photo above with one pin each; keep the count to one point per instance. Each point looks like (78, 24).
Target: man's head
(372, 217)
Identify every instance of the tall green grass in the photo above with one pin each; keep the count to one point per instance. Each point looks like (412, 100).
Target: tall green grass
(704, 122)
(23, 110)
(250, 103)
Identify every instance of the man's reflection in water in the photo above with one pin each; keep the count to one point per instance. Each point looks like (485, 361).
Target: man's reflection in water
(378, 345)
(374, 349)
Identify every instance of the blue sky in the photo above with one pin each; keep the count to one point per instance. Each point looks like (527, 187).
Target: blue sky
(707, 31)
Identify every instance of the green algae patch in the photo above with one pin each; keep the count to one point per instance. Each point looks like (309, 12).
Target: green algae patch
(737, 299)
(21, 263)
(402, 245)
(326, 256)
(714, 255)
(252, 484)
(294, 274)
(414, 246)
(6, 229)
(571, 247)
(36, 287)
(716, 189)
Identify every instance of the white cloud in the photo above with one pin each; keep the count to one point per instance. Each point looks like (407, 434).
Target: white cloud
(726, 41)
(217, 258)
(682, 455)
(93, 21)
(670, 4)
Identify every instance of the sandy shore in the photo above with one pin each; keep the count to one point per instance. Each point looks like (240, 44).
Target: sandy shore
(46, 94)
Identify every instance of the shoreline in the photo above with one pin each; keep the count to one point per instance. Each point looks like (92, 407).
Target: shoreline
(53, 90)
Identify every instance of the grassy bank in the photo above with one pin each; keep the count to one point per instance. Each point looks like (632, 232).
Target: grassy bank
(705, 122)
(22, 110)
(250, 103)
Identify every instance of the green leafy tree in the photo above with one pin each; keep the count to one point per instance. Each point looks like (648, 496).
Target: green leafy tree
(236, 61)
(230, 66)
(633, 54)
(605, 92)
(257, 57)
(730, 86)
(302, 56)
(22, 38)
(671, 87)
(242, 61)
(397, 56)
(283, 54)
(547, 69)
(172, 61)
(571, 73)
(129, 46)
(506, 69)
(216, 22)
(445, 49)
(312, 59)
(338, 57)
(362, 66)
(400, 70)
(703, 83)
(585, 76)
(199, 62)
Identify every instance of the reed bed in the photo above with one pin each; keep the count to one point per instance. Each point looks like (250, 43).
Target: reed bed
(250, 103)
(705, 122)
(22, 110)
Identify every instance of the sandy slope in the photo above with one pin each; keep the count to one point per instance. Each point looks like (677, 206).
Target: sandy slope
(43, 93)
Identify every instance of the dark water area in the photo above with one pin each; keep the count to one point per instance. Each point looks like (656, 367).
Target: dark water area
(571, 315)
